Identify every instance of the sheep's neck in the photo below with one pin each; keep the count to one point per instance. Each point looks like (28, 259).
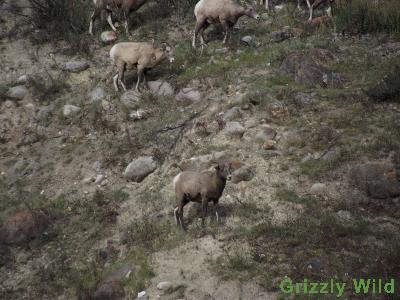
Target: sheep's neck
(219, 182)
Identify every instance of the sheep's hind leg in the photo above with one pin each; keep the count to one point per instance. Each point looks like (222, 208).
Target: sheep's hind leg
(121, 73)
(226, 29)
(93, 18)
(216, 207)
(115, 81)
(109, 20)
(204, 202)
(199, 25)
(139, 74)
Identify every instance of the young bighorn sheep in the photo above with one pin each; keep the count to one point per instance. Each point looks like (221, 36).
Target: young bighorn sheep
(223, 12)
(200, 187)
(143, 56)
(119, 7)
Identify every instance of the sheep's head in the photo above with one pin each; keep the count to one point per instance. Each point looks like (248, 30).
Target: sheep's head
(169, 52)
(224, 170)
(251, 13)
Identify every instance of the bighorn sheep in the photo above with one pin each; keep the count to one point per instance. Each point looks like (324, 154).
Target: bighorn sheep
(124, 7)
(223, 12)
(200, 187)
(143, 56)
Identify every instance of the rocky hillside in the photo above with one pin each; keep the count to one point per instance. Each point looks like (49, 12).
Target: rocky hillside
(307, 113)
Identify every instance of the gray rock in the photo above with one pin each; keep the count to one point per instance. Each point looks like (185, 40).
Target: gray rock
(109, 290)
(99, 178)
(234, 130)
(76, 66)
(378, 179)
(199, 163)
(97, 166)
(22, 79)
(141, 167)
(17, 92)
(45, 112)
(311, 68)
(281, 35)
(142, 295)
(303, 100)
(70, 110)
(388, 49)
(164, 285)
(98, 94)
(246, 39)
(108, 37)
(131, 99)
(138, 114)
(244, 173)
(232, 114)
(161, 88)
(265, 134)
(318, 188)
(188, 96)
(344, 216)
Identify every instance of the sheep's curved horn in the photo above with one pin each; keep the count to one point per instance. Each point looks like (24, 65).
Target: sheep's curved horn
(166, 43)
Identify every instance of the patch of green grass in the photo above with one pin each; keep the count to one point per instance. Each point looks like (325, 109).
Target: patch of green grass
(359, 16)
(284, 194)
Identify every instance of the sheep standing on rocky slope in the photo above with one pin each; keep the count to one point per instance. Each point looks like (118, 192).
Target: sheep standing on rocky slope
(315, 3)
(223, 12)
(200, 187)
(143, 56)
(124, 7)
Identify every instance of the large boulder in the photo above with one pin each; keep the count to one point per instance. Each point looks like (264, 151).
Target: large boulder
(23, 226)
(378, 179)
(76, 66)
(202, 162)
(161, 88)
(310, 68)
(140, 168)
(188, 96)
(110, 290)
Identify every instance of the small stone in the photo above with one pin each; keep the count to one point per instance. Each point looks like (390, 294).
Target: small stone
(22, 79)
(70, 110)
(164, 285)
(99, 178)
(76, 66)
(232, 114)
(265, 134)
(246, 39)
(97, 166)
(87, 180)
(318, 188)
(142, 295)
(139, 114)
(17, 92)
(234, 130)
(344, 215)
(108, 37)
(269, 145)
(131, 99)
(98, 94)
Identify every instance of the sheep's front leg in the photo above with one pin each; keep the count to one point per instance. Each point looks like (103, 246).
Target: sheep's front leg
(140, 74)
(121, 75)
(204, 202)
(115, 81)
(225, 26)
(199, 25)
(216, 207)
(298, 5)
(310, 8)
(96, 13)
(109, 20)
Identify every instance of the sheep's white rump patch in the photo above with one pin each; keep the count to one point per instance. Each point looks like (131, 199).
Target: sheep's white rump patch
(196, 8)
(176, 178)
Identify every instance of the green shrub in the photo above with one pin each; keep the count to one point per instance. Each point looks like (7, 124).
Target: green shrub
(362, 16)
(388, 88)
(60, 18)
